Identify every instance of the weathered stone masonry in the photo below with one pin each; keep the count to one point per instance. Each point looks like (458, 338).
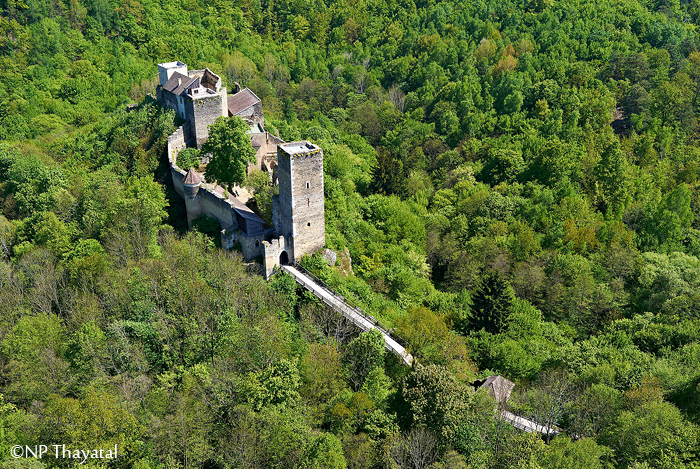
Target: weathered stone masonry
(300, 204)
(298, 211)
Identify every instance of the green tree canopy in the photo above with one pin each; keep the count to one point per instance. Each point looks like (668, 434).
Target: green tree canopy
(493, 302)
(437, 399)
(362, 355)
(230, 150)
(133, 219)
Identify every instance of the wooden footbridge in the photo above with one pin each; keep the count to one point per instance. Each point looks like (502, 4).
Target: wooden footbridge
(392, 342)
(339, 304)
(527, 425)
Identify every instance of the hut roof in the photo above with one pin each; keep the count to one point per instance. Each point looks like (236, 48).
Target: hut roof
(498, 387)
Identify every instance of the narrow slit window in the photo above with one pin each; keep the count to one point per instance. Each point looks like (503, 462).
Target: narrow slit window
(308, 184)
(308, 202)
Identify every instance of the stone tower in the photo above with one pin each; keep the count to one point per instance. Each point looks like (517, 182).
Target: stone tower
(300, 210)
(204, 100)
(193, 203)
(166, 70)
(196, 95)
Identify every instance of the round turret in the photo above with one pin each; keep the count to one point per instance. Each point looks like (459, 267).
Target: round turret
(191, 184)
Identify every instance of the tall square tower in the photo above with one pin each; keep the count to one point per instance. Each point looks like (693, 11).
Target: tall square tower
(301, 217)
(167, 69)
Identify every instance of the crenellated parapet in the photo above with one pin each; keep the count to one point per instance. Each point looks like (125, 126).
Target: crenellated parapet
(297, 167)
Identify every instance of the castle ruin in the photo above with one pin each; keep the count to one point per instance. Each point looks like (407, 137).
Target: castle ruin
(196, 96)
(298, 222)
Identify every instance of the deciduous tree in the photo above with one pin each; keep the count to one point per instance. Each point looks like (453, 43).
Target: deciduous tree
(231, 151)
(437, 399)
(362, 355)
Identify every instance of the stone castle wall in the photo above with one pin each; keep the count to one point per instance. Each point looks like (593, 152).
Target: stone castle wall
(176, 143)
(273, 249)
(214, 205)
(267, 151)
(282, 216)
(253, 113)
(217, 207)
(298, 211)
(211, 203)
(168, 100)
(251, 246)
(308, 203)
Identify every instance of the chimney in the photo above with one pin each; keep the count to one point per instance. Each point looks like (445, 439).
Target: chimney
(179, 82)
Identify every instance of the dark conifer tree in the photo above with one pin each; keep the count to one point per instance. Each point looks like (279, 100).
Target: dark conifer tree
(492, 303)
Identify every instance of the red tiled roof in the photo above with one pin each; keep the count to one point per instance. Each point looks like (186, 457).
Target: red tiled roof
(241, 101)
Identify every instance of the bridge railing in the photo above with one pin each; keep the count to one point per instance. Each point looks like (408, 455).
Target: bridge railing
(527, 423)
(352, 306)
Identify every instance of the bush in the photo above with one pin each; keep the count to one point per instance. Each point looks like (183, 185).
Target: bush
(188, 158)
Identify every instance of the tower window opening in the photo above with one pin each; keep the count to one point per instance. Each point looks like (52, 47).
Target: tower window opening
(308, 184)
(308, 202)
(308, 224)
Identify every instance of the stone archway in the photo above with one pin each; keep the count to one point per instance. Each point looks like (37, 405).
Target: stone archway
(284, 258)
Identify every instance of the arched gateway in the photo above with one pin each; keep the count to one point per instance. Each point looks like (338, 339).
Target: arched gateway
(284, 258)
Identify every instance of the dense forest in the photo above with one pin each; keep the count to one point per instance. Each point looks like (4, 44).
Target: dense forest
(511, 184)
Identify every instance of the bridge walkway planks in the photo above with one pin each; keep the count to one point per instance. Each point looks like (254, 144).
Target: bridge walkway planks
(526, 425)
(366, 323)
(356, 315)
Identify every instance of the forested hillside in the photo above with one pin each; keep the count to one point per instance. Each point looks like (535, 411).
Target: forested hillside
(516, 183)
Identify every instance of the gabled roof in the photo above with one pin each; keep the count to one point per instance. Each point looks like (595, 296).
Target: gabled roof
(192, 178)
(498, 387)
(194, 84)
(175, 87)
(244, 211)
(241, 101)
(239, 206)
(255, 143)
